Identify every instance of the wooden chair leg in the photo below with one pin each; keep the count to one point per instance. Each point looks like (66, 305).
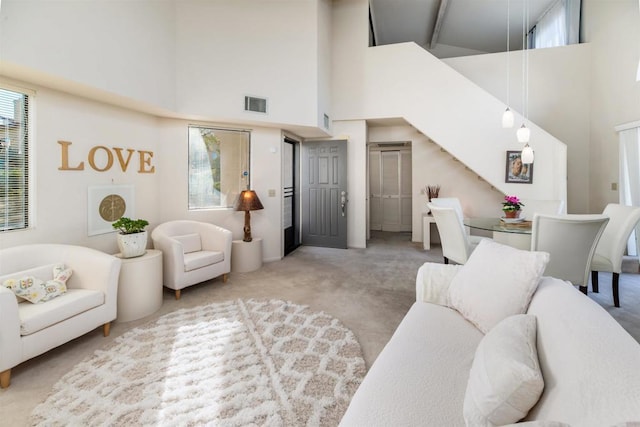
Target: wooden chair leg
(614, 285)
(594, 281)
(446, 260)
(5, 378)
(583, 289)
(225, 276)
(178, 293)
(106, 329)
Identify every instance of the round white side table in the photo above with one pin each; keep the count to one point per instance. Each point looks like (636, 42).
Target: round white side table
(246, 256)
(140, 286)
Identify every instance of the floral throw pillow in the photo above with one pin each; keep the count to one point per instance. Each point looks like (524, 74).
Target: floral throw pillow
(36, 290)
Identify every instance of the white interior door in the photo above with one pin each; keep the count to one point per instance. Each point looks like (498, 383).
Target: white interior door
(390, 186)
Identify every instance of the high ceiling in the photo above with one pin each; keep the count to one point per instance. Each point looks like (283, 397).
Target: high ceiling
(453, 27)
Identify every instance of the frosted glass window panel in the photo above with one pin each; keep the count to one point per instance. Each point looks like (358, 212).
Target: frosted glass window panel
(287, 214)
(218, 166)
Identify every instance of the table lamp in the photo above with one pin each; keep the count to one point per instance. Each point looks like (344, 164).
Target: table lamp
(248, 201)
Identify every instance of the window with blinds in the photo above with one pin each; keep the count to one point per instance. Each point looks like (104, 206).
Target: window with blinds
(218, 166)
(14, 160)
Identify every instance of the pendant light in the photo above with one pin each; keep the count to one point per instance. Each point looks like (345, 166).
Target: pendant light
(524, 133)
(507, 116)
(527, 154)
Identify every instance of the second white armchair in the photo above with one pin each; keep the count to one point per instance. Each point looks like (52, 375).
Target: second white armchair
(192, 252)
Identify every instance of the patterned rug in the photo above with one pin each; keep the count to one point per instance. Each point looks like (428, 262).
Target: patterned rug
(237, 363)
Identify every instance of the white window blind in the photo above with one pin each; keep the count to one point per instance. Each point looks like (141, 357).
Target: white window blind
(14, 160)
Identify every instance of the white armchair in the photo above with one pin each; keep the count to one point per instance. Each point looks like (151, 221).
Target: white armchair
(192, 252)
(28, 330)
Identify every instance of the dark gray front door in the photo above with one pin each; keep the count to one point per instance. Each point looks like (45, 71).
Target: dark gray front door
(324, 193)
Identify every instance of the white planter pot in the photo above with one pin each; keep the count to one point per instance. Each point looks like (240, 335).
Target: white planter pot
(132, 245)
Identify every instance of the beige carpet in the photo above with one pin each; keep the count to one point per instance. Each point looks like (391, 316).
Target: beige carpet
(368, 290)
(235, 363)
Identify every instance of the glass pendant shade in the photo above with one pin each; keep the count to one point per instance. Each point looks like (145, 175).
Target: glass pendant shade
(527, 154)
(523, 134)
(507, 118)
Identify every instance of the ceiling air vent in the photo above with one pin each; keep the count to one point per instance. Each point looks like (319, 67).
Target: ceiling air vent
(252, 103)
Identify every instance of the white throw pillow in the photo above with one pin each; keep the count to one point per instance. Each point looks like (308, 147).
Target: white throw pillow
(37, 290)
(505, 381)
(497, 281)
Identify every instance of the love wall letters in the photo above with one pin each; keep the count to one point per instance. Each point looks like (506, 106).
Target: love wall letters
(101, 158)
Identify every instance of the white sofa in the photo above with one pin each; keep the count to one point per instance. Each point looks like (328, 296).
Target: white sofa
(590, 364)
(28, 330)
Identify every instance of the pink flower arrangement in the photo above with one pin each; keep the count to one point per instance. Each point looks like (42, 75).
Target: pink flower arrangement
(511, 203)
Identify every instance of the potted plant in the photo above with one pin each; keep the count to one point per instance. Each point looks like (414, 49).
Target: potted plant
(132, 236)
(511, 206)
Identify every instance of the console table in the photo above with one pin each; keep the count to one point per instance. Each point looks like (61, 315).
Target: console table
(427, 220)
(140, 286)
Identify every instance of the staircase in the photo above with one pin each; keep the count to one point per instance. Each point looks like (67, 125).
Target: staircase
(404, 80)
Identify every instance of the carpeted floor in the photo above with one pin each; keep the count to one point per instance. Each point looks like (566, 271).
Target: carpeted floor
(233, 363)
(368, 290)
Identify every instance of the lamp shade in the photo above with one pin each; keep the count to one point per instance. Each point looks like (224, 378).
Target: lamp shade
(507, 118)
(248, 201)
(523, 134)
(527, 154)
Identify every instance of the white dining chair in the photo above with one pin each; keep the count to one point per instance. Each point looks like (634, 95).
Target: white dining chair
(546, 207)
(456, 244)
(449, 202)
(611, 248)
(570, 241)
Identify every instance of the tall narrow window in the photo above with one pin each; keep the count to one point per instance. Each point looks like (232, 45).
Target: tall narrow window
(218, 166)
(14, 160)
(558, 26)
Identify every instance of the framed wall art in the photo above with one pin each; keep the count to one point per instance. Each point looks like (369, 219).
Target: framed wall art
(516, 171)
(106, 204)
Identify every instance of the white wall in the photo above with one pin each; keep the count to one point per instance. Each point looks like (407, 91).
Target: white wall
(61, 207)
(324, 61)
(613, 30)
(229, 49)
(121, 47)
(431, 166)
(559, 101)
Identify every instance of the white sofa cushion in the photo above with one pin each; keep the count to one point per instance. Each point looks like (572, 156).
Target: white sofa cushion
(505, 379)
(195, 260)
(35, 317)
(497, 281)
(190, 242)
(421, 375)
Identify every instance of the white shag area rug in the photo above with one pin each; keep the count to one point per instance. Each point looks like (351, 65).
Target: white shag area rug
(237, 363)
